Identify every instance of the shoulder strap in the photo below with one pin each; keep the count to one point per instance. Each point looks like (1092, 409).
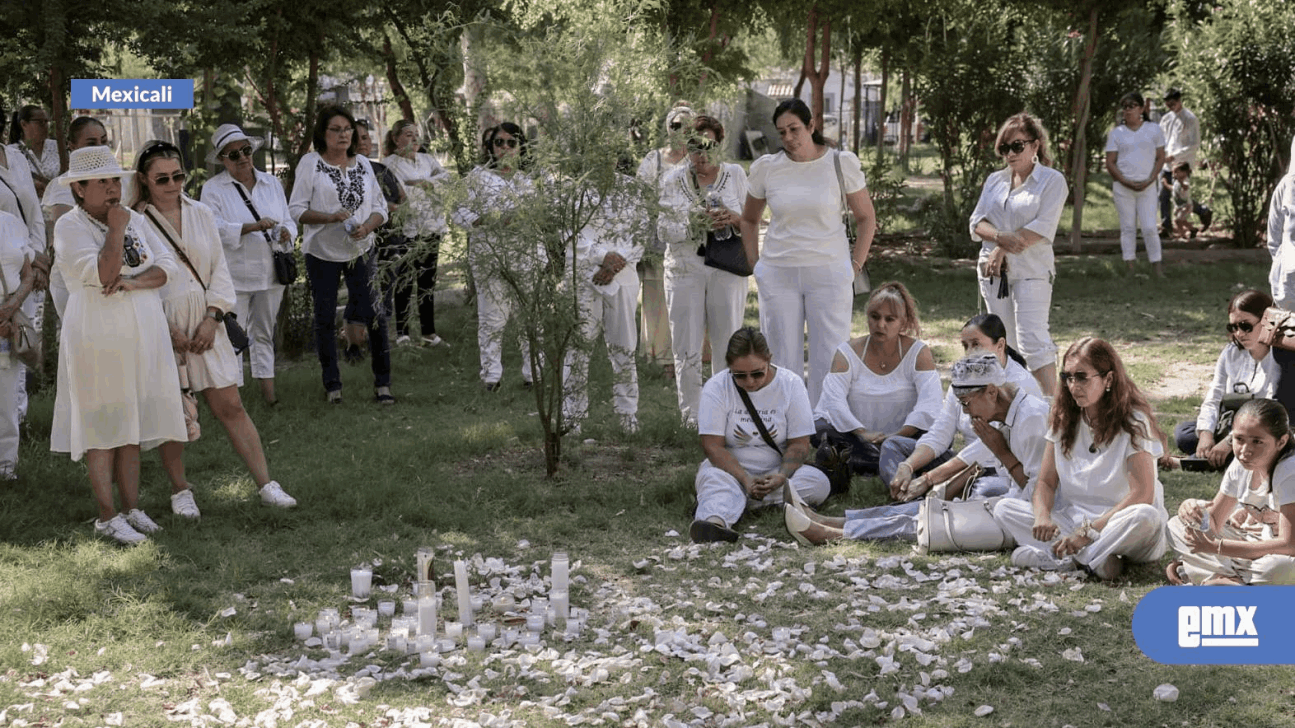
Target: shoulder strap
(256, 216)
(179, 253)
(840, 178)
(755, 417)
(16, 199)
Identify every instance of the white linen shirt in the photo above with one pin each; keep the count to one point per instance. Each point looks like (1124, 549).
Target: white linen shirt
(679, 198)
(47, 164)
(951, 420)
(1135, 150)
(79, 239)
(1092, 482)
(1236, 366)
(491, 193)
(783, 405)
(201, 244)
(804, 198)
(1281, 237)
(18, 198)
(618, 226)
(1035, 205)
(13, 253)
(1025, 428)
(1182, 132)
(315, 189)
(424, 213)
(249, 257)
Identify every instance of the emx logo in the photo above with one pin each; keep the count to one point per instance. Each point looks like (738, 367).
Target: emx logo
(1215, 625)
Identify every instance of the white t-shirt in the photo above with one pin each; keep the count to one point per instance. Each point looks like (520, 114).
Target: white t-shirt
(951, 419)
(1135, 150)
(783, 405)
(1283, 483)
(1092, 480)
(424, 215)
(805, 228)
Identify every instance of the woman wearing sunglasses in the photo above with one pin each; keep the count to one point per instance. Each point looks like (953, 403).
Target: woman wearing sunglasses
(1246, 534)
(1098, 500)
(253, 218)
(1245, 370)
(496, 189)
(701, 195)
(196, 300)
(1135, 152)
(1015, 222)
(755, 424)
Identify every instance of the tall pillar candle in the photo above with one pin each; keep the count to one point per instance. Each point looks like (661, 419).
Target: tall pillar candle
(560, 572)
(427, 615)
(465, 597)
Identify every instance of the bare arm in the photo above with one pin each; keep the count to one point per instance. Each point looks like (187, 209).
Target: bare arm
(752, 211)
(110, 257)
(865, 220)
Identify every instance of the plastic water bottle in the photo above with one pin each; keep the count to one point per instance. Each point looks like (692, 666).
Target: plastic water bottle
(1205, 520)
(713, 202)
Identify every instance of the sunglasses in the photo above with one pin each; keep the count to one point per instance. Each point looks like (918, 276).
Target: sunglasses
(175, 178)
(1015, 147)
(1079, 377)
(1244, 327)
(966, 401)
(756, 375)
(500, 143)
(676, 125)
(342, 130)
(236, 154)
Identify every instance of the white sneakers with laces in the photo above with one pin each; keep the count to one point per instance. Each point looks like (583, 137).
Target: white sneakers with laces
(119, 530)
(272, 495)
(141, 522)
(183, 505)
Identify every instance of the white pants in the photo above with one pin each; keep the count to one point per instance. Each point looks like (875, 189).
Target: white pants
(700, 299)
(11, 382)
(720, 495)
(1025, 314)
(791, 299)
(614, 315)
(655, 340)
(1138, 209)
(1270, 569)
(494, 307)
(1137, 533)
(258, 312)
(33, 307)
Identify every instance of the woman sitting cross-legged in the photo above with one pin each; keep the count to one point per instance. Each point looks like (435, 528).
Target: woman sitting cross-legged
(1250, 538)
(1097, 500)
(882, 385)
(904, 457)
(754, 423)
(1013, 447)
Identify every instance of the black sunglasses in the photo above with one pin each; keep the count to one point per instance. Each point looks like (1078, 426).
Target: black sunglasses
(130, 251)
(1016, 147)
(752, 375)
(510, 143)
(177, 177)
(1130, 105)
(236, 154)
(1079, 377)
(1244, 327)
(676, 125)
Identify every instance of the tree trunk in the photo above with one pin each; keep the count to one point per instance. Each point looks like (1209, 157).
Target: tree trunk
(312, 91)
(58, 115)
(905, 119)
(474, 77)
(817, 75)
(881, 103)
(439, 105)
(840, 111)
(1079, 142)
(710, 39)
(393, 79)
(858, 93)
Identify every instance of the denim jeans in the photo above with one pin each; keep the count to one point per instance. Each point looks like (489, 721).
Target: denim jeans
(323, 277)
(899, 520)
(896, 450)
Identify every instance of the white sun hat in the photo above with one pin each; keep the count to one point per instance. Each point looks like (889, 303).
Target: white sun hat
(225, 135)
(93, 163)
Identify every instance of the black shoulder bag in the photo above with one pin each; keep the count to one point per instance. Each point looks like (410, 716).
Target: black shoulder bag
(285, 263)
(234, 330)
(727, 254)
(755, 417)
(834, 464)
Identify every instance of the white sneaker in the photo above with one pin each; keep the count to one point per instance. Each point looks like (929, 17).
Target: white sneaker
(1032, 558)
(272, 495)
(183, 505)
(119, 530)
(435, 340)
(141, 522)
(404, 340)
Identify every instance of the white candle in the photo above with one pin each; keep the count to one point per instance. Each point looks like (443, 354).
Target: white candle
(504, 602)
(361, 582)
(322, 626)
(386, 609)
(409, 606)
(560, 572)
(561, 607)
(446, 645)
(424, 559)
(535, 622)
(476, 643)
(487, 631)
(454, 630)
(427, 615)
(303, 630)
(465, 596)
(424, 643)
(429, 659)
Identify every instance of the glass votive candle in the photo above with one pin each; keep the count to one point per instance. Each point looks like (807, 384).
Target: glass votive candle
(454, 630)
(504, 602)
(535, 622)
(322, 625)
(428, 659)
(445, 644)
(530, 639)
(476, 643)
(409, 606)
(361, 582)
(386, 609)
(487, 631)
(539, 605)
(303, 630)
(509, 636)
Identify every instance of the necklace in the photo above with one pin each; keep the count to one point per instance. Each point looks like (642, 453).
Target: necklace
(882, 356)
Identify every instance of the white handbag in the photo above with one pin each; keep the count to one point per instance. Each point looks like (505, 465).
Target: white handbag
(960, 526)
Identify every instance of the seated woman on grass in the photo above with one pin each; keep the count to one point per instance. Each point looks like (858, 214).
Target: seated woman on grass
(1250, 539)
(1013, 447)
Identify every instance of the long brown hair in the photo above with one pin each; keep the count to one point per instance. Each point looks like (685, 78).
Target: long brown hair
(1115, 409)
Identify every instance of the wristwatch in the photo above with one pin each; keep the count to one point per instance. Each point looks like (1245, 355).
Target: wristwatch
(217, 316)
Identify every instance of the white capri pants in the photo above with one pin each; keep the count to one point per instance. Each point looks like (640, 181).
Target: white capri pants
(11, 383)
(494, 307)
(258, 312)
(700, 299)
(1138, 210)
(720, 495)
(614, 316)
(791, 299)
(1025, 314)
(1270, 569)
(1137, 533)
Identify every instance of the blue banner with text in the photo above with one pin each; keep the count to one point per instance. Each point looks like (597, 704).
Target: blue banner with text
(132, 93)
(1216, 625)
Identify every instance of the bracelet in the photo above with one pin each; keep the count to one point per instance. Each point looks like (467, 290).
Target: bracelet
(904, 464)
(1018, 464)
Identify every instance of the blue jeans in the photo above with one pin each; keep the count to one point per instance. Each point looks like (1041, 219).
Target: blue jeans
(323, 277)
(896, 450)
(899, 520)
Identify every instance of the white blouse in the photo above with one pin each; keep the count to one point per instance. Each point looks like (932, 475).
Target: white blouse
(490, 193)
(47, 164)
(805, 227)
(1092, 478)
(951, 420)
(617, 227)
(680, 197)
(321, 187)
(424, 211)
(1035, 205)
(18, 198)
(249, 257)
(200, 242)
(861, 398)
(1236, 372)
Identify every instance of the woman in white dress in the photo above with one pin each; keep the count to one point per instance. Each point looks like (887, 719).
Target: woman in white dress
(415, 279)
(196, 300)
(30, 138)
(1135, 152)
(19, 279)
(701, 194)
(1249, 526)
(881, 385)
(1097, 501)
(84, 131)
(117, 381)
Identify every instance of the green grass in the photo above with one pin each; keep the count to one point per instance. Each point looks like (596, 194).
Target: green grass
(454, 467)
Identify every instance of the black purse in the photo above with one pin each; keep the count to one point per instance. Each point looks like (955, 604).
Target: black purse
(285, 263)
(728, 255)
